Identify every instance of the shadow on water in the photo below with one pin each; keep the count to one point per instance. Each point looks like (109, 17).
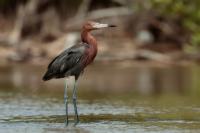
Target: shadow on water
(91, 118)
(121, 98)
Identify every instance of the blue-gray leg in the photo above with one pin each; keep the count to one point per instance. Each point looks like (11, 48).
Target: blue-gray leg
(66, 103)
(74, 102)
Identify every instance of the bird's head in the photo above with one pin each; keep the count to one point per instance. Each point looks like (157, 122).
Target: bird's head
(90, 25)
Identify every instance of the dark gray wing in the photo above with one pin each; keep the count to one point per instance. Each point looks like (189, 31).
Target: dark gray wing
(64, 64)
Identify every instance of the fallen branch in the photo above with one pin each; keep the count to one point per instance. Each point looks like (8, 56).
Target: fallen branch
(109, 12)
(83, 9)
(152, 55)
(140, 54)
(98, 14)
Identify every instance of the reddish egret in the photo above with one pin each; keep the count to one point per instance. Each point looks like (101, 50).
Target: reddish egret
(73, 60)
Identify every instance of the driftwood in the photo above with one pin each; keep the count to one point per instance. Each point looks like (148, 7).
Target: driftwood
(110, 12)
(140, 54)
(152, 55)
(84, 14)
(82, 11)
(98, 14)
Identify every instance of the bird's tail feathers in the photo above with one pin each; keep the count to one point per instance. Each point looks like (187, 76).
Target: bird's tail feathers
(47, 76)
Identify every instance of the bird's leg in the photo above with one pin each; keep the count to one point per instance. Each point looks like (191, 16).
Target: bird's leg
(74, 102)
(66, 103)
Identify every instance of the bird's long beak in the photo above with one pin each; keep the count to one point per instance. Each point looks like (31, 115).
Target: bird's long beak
(99, 25)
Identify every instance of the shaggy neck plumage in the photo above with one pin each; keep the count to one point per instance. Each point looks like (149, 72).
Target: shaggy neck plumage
(86, 37)
(90, 40)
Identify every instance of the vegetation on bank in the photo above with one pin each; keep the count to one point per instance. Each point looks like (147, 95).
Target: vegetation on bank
(167, 25)
(187, 11)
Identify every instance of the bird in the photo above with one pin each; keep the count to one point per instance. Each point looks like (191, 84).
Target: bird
(73, 61)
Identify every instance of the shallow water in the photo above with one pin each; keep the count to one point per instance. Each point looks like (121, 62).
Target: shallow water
(44, 114)
(39, 107)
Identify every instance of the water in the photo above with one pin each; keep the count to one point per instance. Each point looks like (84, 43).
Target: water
(128, 102)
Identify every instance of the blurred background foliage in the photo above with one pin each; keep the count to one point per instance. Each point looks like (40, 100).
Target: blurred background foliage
(187, 11)
(162, 26)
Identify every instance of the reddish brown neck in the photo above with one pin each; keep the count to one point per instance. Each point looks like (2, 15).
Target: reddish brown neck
(88, 38)
(92, 50)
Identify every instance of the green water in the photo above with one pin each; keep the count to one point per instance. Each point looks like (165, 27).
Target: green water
(29, 105)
